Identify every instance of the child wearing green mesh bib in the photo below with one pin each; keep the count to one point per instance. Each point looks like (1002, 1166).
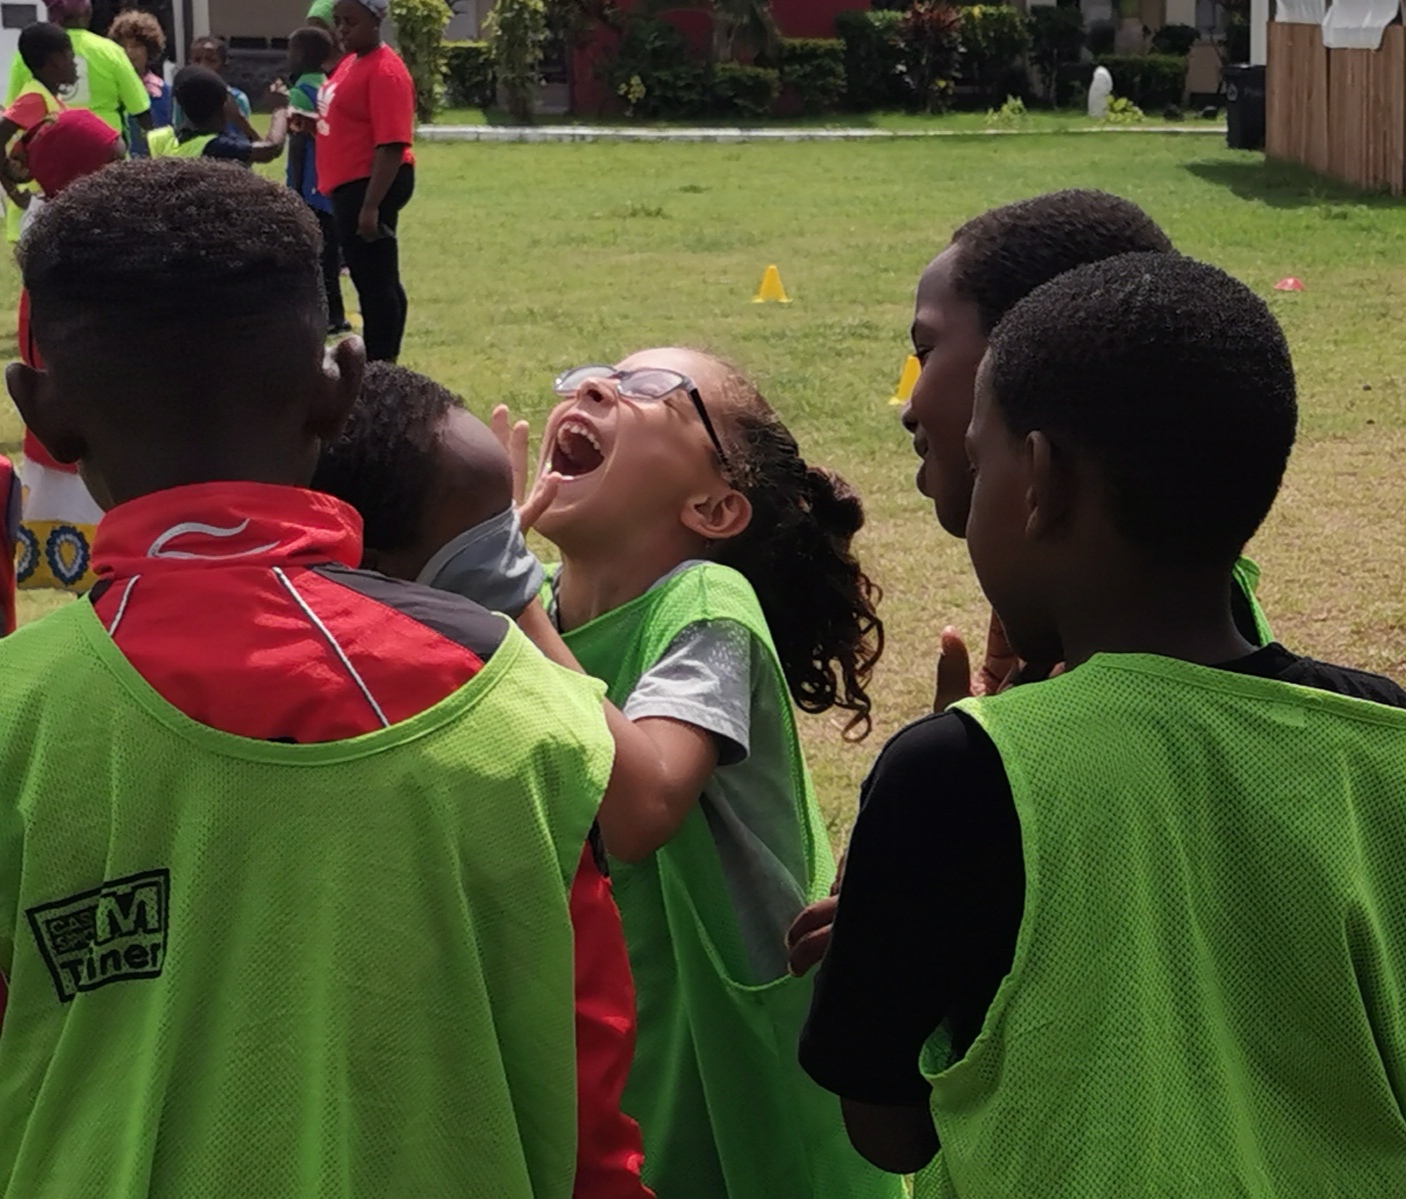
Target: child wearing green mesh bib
(706, 576)
(1184, 859)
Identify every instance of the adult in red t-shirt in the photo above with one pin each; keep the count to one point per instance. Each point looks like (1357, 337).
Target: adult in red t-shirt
(366, 124)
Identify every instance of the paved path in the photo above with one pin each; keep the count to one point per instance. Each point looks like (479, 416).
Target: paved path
(627, 133)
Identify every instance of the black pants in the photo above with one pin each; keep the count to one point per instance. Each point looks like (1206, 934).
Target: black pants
(375, 265)
(331, 268)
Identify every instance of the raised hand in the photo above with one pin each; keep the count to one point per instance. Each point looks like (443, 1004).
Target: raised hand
(999, 668)
(514, 437)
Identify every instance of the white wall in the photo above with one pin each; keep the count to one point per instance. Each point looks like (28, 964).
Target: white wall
(467, 22)
(10, 38)
(255, 18)
(1259, 32)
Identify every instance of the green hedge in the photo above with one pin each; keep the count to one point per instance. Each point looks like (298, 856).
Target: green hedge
(654, 64)
(995, 38)
(875, 73)
(740, 91)
(1151, 81)
(814, 68)
(1056, 41)
(468, 74)
(1175, 39)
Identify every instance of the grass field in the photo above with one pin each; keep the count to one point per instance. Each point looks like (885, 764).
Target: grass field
(523, 259)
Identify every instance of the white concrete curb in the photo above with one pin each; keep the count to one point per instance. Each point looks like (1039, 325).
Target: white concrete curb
(625, 133)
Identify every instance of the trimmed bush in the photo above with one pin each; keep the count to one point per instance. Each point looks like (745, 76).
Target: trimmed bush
(994, 39)
(1056, 40)
(1237, 36)
(468, 74)
(931, 32)
(654, 73)
(419, 30)
(1101, 38)
(876, 74)
(1151, 81)
(744, 91)
(1175, 39)
(1072, 81)
(814, 68)
(517, 32)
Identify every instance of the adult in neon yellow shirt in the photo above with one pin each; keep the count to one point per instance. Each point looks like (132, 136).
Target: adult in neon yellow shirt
(108, 85)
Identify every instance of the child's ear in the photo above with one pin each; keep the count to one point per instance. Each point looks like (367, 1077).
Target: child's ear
(1050, 485)
(45, 413)
(342, 368)
(718, 516)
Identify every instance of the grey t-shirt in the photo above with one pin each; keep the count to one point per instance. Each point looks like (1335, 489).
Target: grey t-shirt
(714, 676)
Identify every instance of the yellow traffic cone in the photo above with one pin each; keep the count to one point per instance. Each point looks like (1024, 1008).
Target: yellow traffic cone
(912, 368)
(771, 290)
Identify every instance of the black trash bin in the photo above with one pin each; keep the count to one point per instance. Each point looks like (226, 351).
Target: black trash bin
(1244, 107)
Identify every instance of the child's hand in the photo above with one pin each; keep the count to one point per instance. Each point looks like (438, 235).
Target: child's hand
(809, 936)
(1001, 668)
(368, 224)
(514, 436)
(954, 674)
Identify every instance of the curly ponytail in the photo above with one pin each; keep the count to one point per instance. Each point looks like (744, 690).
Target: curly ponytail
(818, 602)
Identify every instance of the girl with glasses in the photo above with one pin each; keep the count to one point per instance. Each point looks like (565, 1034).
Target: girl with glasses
(707, 577)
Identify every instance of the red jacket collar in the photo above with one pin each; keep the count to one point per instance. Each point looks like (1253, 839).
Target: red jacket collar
(226, 524)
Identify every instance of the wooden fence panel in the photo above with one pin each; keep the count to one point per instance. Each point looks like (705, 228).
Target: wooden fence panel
(1341, 112)
(1367, 114)
(1297, 99)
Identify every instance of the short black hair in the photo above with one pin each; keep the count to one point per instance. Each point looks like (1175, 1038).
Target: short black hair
(382, 465)
(1174, 378)
(142, 273)
(41, 41)
(201, 93)
(1007, 252)
(308, 49)
(220, 46)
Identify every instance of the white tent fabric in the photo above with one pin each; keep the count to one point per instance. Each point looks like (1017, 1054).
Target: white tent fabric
(1358, 24)
(1300, 12)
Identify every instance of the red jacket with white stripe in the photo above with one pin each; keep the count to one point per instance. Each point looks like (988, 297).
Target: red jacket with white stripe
(239, 603)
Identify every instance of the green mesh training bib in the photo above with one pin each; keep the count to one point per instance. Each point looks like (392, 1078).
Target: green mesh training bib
(245, 969)
(1208, 997)
(164, 143)
(1246, 576)
(726, 1111)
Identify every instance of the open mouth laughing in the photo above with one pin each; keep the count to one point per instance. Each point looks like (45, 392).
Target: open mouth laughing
(576, 449)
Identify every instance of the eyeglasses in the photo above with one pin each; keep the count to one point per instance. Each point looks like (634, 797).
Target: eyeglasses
(648, 384)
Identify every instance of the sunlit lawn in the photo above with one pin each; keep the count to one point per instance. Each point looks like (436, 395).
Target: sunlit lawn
(523, 259)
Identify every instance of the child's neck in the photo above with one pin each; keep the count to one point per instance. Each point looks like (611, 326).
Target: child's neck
(1173, 615)
(591, 584)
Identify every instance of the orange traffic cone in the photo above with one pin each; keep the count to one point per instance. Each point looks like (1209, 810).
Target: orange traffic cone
(771, 290)
(1289, 284)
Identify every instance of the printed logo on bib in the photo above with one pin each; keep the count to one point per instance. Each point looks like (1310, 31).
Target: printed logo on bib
(77, 93)
(115, 933)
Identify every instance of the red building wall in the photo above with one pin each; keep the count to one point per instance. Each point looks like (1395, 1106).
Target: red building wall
(795, 18)
(812, 18)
